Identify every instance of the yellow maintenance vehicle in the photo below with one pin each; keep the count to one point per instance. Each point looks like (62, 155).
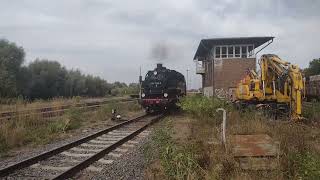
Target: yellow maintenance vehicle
(278, 88)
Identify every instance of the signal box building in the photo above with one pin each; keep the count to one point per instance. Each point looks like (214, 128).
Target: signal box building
(223, 62)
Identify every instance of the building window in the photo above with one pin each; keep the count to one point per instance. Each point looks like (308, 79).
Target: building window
(230, 51)
(237, 52)
(243, 51)
(250, 51)
(223, 52)
(217, 52)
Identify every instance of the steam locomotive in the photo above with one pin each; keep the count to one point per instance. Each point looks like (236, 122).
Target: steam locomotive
(161, 89)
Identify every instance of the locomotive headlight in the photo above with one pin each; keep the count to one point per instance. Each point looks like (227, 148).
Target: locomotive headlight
(143, 95)
(155, 73)
(165, 94)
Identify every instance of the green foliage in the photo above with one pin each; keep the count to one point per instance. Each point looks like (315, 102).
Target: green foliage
(36, 130)
(124, 107)
(3, 145)
(57, 126)
(11, 58)
(115, 92)
(47, 79)
(314, 67)
(73, 118)
(120, 89)
(312, 112)
(179, 162)
(202, 107)
(104, 112)
(304, 165)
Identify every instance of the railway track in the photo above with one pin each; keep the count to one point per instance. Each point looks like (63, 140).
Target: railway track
(54, 111)
(68, 160)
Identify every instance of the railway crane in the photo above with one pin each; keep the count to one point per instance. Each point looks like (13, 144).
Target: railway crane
(277, 88)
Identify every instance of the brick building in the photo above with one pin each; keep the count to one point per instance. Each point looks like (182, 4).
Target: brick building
(222, 62)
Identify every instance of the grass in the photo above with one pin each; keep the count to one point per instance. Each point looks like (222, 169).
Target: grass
(312, 113)
(36, 130)
(178, 162)
(195, 135)
(304, 165)
(201, 107)
(19, 104)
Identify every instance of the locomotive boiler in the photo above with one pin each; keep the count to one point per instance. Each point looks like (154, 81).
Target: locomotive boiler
(161, 89)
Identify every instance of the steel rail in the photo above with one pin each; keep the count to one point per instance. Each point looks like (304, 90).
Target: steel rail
(33, 160)
(82, 165)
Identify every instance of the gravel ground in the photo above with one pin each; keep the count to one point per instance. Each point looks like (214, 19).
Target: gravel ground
(129, 166)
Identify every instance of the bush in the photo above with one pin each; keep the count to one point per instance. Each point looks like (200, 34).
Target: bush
(178, 162)
(202, 107)
(57, 126)
(304, 165)
(115, 92)
(312, 112)
(3, 144)
(73, 118)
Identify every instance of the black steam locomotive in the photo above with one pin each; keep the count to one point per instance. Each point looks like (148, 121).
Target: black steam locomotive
(161, 89)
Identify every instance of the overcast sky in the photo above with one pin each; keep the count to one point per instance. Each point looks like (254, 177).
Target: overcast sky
(113, 38)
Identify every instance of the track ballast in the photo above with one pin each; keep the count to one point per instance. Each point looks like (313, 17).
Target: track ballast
(68, 160)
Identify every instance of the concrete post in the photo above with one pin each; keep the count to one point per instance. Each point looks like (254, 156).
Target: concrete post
(223, 126)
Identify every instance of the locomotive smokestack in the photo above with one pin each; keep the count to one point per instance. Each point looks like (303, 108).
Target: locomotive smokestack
(159, 65)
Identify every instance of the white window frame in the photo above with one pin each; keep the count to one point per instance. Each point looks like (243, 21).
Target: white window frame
(235, 55)
(214, 51)
(251, 55)
(246, 51)
(233, 51)
(226, 54)
(252, 52)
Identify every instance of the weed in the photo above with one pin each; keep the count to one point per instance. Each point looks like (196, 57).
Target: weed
(312, 112)
(57, 126)
(178, 162)
(3, 145)
(103, 112)
(304, 165)
(202, 107)
(35, 129)
(73, 118)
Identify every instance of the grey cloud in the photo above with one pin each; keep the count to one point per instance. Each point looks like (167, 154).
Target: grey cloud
(113, 38)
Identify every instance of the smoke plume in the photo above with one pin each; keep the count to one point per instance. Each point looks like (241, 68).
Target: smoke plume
(160, 51)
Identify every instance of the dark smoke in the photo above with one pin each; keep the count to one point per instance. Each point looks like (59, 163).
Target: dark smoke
(160, 52)
(164, 52)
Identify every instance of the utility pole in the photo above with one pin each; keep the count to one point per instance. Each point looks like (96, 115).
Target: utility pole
(213, 76)
(140, 83)
(187, 82)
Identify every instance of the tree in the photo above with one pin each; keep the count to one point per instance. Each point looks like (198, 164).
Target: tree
(133, 88)
(11, 58)
(314, 67)
(118, 84)
(24, 79)
(75, 84)
(47, 79)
